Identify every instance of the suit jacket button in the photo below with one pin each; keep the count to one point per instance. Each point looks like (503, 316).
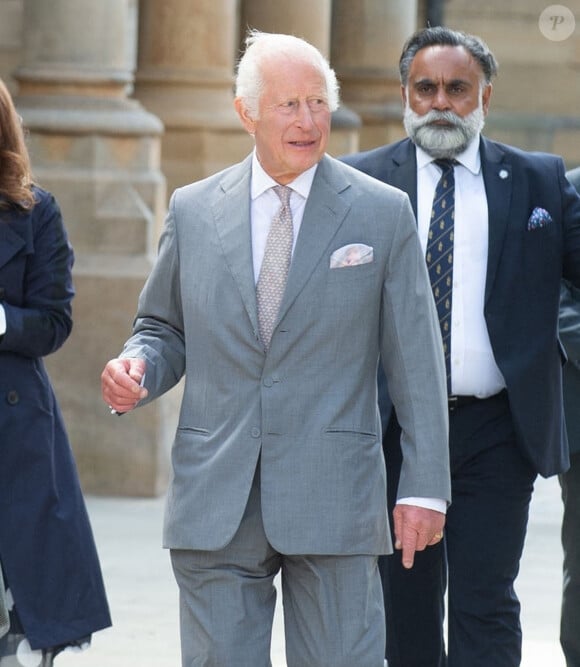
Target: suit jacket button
(12, 397)
(255, 432)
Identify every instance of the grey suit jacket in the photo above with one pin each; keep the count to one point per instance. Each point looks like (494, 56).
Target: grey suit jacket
(308, 408)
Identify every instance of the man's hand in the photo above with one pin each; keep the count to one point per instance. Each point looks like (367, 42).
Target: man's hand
(415, 529)
(121, 384)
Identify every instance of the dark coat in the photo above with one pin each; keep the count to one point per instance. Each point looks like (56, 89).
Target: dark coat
(570, 335)
(524, 273)
(46, 544)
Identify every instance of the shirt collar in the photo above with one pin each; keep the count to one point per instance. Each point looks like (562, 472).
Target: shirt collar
(261, 181)
(469, 158)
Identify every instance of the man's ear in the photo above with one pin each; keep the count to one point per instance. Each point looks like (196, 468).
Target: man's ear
(485, 97)
(242, 111)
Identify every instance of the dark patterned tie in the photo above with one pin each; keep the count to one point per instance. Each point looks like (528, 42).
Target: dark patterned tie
(439, 254)
(274, 270)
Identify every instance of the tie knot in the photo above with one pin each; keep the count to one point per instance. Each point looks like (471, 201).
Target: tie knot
(445, 164)
(283, 192)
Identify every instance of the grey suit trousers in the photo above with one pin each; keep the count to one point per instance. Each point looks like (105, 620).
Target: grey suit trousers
(333, 605)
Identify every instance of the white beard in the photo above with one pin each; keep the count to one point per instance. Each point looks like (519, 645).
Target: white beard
(443, 141)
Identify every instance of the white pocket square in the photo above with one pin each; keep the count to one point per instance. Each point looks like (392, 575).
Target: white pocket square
(352, 254)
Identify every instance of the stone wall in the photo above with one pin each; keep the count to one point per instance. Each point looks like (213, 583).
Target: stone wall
(536, 99)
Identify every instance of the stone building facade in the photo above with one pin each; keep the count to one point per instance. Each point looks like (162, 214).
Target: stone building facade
(124, 100)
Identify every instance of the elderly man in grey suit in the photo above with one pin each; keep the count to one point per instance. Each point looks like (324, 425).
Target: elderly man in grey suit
(278, 284)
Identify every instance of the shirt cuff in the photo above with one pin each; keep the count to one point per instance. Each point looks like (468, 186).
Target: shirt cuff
(437, 504)
(2, 320)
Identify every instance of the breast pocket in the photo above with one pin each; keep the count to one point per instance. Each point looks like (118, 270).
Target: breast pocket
(351, 291)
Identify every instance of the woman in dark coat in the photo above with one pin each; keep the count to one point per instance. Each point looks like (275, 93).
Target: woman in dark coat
(55, 593)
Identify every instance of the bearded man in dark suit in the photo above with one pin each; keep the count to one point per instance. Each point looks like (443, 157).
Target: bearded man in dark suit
(516, 232)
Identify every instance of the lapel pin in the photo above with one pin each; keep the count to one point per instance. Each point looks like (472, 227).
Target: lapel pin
(503, 174)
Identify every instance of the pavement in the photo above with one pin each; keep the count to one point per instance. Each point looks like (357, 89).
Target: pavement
(143, 595)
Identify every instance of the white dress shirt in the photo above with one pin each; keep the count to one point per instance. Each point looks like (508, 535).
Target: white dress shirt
(265, 203)
(474, 371)
(2, 320)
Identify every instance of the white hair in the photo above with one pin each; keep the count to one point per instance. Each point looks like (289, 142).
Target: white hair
(263, 47)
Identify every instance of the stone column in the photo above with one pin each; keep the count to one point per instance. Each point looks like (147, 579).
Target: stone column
(11, 12)
(185, 71)
(312, 21)
(367, 37)
(98, 152)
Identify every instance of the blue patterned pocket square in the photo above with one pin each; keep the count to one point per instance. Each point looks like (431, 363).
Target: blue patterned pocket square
(539, 218)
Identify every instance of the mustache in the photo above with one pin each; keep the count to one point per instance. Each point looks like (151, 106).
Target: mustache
(442, 133)
(435, 116)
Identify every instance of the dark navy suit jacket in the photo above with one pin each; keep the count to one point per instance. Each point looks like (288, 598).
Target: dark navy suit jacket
(570, 336)
(524, 271)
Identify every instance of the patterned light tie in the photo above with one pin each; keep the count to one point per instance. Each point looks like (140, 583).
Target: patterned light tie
(439, 254)
(274, 270)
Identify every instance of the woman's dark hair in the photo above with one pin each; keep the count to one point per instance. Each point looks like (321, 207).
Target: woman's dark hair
(15, 170)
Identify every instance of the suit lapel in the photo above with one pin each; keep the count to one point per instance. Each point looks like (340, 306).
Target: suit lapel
(402, 171)
(323, 215)
(232, 219)
(497, 177)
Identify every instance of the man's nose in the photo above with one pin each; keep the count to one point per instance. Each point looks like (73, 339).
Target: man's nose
(441, 100)
(304, 115)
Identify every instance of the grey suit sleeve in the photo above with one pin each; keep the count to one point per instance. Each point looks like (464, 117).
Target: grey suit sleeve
(414, 366)
(158, 333)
